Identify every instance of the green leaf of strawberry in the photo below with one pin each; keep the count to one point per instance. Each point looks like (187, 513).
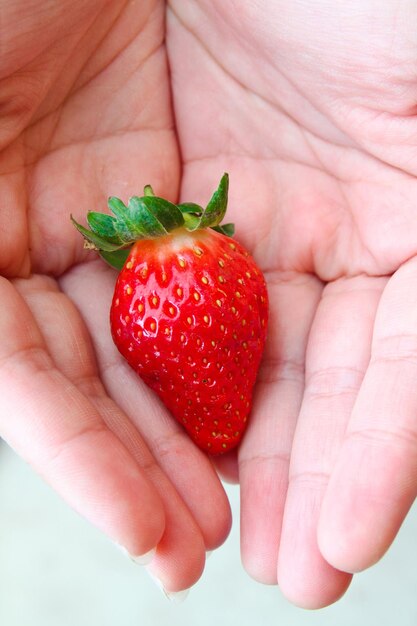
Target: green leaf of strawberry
(189, 311)
(216, 208)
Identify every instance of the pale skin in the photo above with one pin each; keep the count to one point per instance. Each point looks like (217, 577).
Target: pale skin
(311, 110)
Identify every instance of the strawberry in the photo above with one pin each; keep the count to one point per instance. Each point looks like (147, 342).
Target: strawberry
(189, 311)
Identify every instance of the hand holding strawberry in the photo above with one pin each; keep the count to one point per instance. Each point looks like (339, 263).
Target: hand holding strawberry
(318, 130)
(189, 311)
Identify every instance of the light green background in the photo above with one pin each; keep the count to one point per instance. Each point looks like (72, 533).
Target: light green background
(56, 570)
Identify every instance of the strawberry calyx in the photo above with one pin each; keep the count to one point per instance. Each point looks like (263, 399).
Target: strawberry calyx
(149, 217)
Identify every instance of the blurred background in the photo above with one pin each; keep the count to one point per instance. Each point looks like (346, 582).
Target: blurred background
(56, 570)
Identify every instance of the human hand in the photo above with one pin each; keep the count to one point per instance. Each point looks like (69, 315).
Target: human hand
(311, 108)
(85, 112)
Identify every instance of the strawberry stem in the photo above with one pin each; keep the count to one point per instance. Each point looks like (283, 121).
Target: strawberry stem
(148, 191)
(148, 217)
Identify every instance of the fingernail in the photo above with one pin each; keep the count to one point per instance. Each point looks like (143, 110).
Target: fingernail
(144, 559)
(177, 597)
(140, 559)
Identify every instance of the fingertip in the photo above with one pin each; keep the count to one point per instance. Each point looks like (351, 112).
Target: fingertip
(314, 598)
(140, 559)
(216, 534)
(214, 514)
(352, 531)
(143, 540)
(259, 569)
(176, 573)
(342, 550)
(176, 597)
(310, 582)
(334, 548)
(305, 578)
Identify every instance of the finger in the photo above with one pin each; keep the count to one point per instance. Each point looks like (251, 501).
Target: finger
(188, 468)
(337, 356)
(52, 425)
(375, 479)
(265, 450)
(180, 553)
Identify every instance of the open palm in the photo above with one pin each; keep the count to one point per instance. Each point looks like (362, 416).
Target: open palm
(89, 115)
(322, 186)
(311, 109)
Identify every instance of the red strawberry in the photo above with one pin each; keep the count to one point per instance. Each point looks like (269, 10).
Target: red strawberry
(189, 311)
